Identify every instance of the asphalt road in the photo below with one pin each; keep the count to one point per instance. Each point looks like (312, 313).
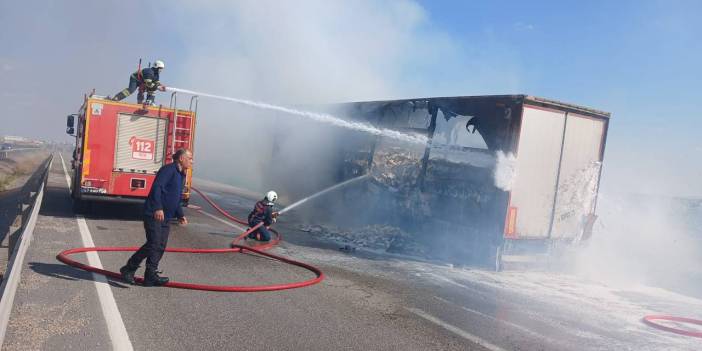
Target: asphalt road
(367, 302)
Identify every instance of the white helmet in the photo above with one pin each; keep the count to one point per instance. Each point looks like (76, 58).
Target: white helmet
(159, 64)
(271, 196)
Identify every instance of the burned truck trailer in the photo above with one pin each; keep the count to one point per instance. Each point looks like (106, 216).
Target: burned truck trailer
(499, 178)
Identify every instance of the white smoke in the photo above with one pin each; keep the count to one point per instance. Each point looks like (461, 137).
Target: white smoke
(644, 239)
(299, 54)
(505, 170)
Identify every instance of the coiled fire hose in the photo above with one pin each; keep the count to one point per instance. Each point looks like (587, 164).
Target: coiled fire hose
(650, 320)
(234, 247)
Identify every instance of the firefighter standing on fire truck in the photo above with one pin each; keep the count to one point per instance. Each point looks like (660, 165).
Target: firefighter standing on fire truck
(263, 212)
(146, 79)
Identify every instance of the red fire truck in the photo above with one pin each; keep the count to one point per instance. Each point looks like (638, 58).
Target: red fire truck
(120, 147)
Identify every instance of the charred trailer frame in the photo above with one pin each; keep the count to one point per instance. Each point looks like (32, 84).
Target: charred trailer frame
(500, 178)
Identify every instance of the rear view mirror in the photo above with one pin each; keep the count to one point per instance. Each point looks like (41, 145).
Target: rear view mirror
(70, 121)
(70, 130)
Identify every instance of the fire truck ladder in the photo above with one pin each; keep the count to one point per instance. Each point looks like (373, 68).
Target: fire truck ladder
(180, 137)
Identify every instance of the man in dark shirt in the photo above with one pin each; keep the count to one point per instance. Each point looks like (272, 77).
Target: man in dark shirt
(162, 205)
(145, 79)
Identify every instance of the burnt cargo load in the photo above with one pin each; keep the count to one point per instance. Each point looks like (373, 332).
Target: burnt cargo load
(499, 178)
(120, 147)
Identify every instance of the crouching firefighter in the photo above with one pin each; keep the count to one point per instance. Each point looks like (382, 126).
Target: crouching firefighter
(263, 212)
(146, 79)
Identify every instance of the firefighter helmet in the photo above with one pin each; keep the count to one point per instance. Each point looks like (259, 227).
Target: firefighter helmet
(271, 196)
(159, 64)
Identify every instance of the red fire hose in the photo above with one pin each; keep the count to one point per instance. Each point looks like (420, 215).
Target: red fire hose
(235, 247)
(219, 209)
(649, 320)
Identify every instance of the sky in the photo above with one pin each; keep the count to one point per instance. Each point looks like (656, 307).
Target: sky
(639, 60)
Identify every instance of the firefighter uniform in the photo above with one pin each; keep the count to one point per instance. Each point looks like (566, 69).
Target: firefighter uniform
(145, 80)
(262, 212)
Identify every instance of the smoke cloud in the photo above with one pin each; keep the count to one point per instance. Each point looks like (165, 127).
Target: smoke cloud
(644, 239)
(289, 53)
(300, 54)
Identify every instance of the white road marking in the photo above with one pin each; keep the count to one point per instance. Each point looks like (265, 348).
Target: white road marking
(65, 173)
(115, 324)
(237, 226)
(514, 325)
(447, 280)
(456, 330)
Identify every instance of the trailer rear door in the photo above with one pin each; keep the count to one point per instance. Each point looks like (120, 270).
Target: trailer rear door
(538, 154)
(580, 171)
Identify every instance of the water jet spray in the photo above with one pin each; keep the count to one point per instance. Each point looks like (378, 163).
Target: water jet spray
(334, 187)
(319, 117)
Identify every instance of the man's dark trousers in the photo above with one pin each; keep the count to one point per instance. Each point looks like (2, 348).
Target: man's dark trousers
(152, 250)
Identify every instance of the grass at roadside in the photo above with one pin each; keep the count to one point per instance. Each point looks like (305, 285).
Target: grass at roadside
(19, 166)
(6, 181)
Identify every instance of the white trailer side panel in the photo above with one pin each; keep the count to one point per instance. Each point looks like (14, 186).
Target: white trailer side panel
(538, 155)
(579, 175)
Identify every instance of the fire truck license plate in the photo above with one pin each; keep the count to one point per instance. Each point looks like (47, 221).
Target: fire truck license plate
(142, 149)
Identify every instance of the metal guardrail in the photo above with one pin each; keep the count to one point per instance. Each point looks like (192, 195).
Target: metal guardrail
(19, 249)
